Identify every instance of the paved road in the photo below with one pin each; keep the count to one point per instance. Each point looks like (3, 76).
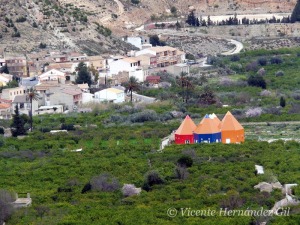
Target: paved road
(237, 49)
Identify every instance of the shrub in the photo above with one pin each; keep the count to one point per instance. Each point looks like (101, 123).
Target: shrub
(296, 95)
(254, 112)
(253, 66)
(136, 2)
(185, 161)
(227, 82)
(153, 178)
(140, 117)
(6, 208)
(262, 61)
(265, 93)
(130, 189)
(257, 81)
(104, 182)
(261, 72)
(294, 109)
(279, 73)
(181, 172)
(235, 58)
(275, 60)
(67, 127)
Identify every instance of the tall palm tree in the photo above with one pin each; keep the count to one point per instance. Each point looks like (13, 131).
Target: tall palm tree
(132, 85)
(32, 95)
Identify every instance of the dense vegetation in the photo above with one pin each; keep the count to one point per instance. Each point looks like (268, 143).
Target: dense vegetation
(120, 145)
(251, 84)
(85, 187)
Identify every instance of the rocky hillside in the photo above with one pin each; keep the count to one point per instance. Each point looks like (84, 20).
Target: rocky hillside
(87, 24)
(25, 25)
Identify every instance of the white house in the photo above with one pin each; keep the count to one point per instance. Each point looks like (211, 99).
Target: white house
(111, 95)
(87, 97)
(131, 65)
(5, 78)
(53, 75)
(137, 41)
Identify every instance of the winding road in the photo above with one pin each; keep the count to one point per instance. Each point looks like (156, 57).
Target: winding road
(238, 47)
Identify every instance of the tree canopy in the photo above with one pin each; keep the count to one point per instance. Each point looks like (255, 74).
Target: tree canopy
(83, 75)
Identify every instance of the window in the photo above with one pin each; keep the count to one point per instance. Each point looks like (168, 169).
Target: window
(21, 105)
(187, 141)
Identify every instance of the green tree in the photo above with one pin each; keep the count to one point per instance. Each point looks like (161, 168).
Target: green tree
(131, 85)
(83, 75)
(257, 81)
(282, 102)
(32, 95)
(17, 126)
(296, 13)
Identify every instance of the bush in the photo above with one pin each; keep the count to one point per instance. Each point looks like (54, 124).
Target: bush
(235, 58)
(6, 208)
(140, 117)
(253, 66)
(130, 189)
(181, 172)
(265, 93)
(257, 81)
(185, 161)
(296, 95)
(261, 72)
(262, 61)
(1, 130)
(67, 127)
(104, 182)
(279, 73)
(254, 112)
(275, 60)
(153, 178)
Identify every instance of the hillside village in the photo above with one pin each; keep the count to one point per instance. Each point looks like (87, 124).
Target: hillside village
(149, 112)
(54, 74)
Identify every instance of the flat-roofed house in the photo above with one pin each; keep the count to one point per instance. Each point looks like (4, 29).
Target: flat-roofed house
(110, 95)
(165, 55)
(53, 75)
(131, 65)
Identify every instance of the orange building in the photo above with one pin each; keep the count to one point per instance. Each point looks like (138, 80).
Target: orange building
(184, 134)
(232, 130)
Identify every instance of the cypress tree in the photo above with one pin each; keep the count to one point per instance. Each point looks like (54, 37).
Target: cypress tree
(282, 102)
(296, 13)
(17, 126)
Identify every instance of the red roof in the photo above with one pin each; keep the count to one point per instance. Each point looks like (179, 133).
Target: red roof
(229, 122)
(207, 126)
(187, 127)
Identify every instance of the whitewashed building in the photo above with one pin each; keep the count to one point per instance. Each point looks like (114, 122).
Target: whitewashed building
(110, 95)
(53, 75)
(131, 65)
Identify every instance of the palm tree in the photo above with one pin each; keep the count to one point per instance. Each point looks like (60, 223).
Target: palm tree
(186, 86)
(32, 95)
(131, 85)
